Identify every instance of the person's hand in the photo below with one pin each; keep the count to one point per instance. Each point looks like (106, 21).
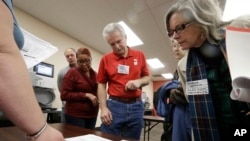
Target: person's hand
(132, 85)
(106, 116)
(50, 134)
(177, 96)
(93, 99)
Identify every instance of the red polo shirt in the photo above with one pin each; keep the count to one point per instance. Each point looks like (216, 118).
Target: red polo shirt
(108, 72)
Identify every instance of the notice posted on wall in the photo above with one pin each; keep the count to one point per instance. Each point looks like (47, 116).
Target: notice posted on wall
(35, 50)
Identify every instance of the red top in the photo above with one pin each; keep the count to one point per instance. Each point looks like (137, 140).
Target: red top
(75, 85)
(108, 72)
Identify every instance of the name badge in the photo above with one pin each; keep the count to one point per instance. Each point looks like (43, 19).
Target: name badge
(197, 87)
(123, 69)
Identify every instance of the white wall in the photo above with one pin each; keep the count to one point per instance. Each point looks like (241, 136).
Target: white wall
(62, 41)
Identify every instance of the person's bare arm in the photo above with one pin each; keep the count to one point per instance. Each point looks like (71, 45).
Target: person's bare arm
(138, 83)
(144, 81)
(106, 116)
(17, 99)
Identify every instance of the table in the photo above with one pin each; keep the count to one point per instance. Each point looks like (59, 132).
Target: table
(148, 125)
(14, 134)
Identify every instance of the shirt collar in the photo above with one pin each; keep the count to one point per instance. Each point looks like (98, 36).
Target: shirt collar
(130, 54)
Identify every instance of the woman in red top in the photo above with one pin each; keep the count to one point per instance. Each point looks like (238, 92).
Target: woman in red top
(79, 90)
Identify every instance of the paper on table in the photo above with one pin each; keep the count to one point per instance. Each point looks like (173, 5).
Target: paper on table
(35, 50)
(238, 51)
(89, 137)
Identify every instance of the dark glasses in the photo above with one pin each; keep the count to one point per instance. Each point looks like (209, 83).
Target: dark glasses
(86, 61)
(178, 29)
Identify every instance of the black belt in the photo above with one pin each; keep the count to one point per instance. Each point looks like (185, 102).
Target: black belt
(125, 100)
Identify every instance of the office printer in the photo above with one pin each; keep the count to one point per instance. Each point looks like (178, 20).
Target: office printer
(42, 77)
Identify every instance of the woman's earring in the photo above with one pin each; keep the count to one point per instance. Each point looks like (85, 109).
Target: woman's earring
(202, 35)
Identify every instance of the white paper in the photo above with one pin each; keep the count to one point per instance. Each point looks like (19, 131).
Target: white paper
(35, 50)
(238, 52)
(89, 137)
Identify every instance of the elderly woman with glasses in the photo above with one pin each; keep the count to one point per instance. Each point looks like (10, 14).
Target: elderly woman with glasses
(79, 90)
(197, 27)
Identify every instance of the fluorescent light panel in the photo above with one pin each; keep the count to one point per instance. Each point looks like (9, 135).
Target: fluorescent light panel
(235, 8)
(155, 63)
(167, 75)
(132, 39)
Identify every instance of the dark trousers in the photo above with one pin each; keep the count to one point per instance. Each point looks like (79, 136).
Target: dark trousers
(81, 122)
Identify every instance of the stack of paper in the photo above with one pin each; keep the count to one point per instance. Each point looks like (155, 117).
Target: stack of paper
(89, 137)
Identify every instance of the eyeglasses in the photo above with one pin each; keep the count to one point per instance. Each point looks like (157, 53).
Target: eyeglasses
(178, 29)
(86, 61)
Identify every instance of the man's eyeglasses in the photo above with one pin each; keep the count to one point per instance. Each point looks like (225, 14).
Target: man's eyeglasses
(178, 29)
(86, 61)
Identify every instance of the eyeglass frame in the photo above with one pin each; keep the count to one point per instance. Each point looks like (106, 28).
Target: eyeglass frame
(178, 29)
(85, 61)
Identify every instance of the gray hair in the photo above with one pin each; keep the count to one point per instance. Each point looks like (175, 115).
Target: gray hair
(206, 13)
(241, 21)
(112, 27)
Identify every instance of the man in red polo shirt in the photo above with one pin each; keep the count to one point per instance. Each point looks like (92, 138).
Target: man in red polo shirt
(124, 72)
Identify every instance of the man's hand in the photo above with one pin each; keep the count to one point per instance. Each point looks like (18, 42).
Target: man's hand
(132, 85)
(106, 116)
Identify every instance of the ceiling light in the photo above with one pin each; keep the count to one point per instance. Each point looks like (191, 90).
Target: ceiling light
(155, 63)
(235, 8)
(167, 75)
(132, 39)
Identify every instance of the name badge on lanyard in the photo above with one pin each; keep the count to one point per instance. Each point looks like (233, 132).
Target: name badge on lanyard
(197, 87)
(123, 69)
